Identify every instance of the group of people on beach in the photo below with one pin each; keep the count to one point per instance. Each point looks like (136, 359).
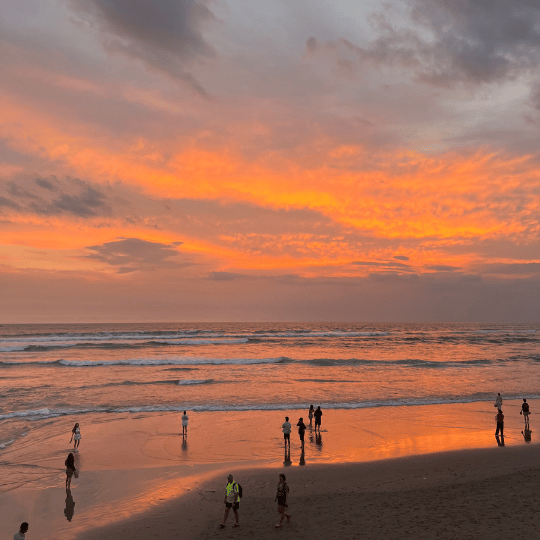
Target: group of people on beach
(525, 411)
(312, 413)
(233, 494)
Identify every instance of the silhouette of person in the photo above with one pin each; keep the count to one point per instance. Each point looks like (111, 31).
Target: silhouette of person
(310, 416)
(301, 430)
(525, 411)
(70, 469)
(500, 423)
(527, 434)
(69, 510)
(318, 416)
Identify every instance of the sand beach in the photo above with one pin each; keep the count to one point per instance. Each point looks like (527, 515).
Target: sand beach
(426, 471)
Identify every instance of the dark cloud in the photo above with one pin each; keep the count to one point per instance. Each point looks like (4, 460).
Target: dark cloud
(401, 257)
(45, 184)
(470, 41)
(76, 197)
(7, 203)
(389, 264)
(165, 34)
(132, 254)
(526, 268)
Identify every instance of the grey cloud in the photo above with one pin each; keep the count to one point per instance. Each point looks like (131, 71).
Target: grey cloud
(443, 268)
(226, 276)
(401, 257)
(390, 264)
(132, 254)
(165, 34)
(74, 197)
(535, 96)
(7, 203)
(471, 42)
(526, 268)
(45, 184)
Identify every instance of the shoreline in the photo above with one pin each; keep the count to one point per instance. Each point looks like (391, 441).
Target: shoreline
(477, 493)
(134, 463)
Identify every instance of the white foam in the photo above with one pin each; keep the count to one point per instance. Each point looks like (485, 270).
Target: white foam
(195, 381)
(175, 361)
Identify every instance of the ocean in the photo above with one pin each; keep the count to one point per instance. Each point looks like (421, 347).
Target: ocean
(50, 371)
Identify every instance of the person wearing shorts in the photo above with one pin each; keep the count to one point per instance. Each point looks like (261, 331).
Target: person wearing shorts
(232, 500)
(287, 432)
(281, 498)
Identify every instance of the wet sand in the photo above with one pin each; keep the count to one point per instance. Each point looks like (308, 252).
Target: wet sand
(136, 472)
(480, 494)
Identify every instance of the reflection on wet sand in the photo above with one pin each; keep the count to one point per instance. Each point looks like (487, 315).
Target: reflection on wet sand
(527, 434)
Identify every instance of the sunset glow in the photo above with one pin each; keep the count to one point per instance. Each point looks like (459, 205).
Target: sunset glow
(323, 156)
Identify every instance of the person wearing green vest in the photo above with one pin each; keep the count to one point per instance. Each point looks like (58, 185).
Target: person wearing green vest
(232, 500)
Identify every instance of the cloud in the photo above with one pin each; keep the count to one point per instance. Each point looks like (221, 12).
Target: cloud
(447, 42)
(443, 268)
(71, 196)
(164, 34)
(401, 257)
(132, 254)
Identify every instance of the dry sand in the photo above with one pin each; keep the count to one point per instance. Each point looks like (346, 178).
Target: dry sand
(468, 494)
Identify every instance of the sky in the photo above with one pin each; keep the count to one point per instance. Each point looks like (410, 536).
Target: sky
(285, 160)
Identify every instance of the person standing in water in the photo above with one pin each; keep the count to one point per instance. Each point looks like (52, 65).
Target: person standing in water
(281, 498)
(318, 415)
(525, 411)
(76, 436)
(310, 416)
(301, 430)
(184, 423)
(286, 426)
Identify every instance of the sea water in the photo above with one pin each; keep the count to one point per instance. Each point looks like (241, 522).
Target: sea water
(49, 371)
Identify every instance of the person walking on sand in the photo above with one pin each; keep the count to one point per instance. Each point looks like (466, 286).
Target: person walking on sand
(76, 436)
(70, 469)
(185, 419)
(301, 430)
(318, 415)
(500, 423)
(281, 498)
(498, 401)
(23, 529)
(310, 416)
(525, 411)
(286, 426)
(232, 500)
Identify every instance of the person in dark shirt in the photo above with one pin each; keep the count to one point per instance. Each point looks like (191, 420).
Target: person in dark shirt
(318, 415)
(301, 430)
(525, 411)
(500, 423)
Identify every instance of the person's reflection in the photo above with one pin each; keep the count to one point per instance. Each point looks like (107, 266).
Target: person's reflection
(311, 437)
(184, 443)
(500, 440)
(527, 434)
(69, 510)
(287, 462)
(318, 441)
(302, 457)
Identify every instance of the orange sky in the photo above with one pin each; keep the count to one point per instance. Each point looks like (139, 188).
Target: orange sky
(269, 164)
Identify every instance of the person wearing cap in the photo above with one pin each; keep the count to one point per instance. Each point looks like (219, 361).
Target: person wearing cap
(232, 500)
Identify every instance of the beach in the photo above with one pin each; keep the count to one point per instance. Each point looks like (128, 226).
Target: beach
(480, 494)
(137, 473)
(392, 395)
